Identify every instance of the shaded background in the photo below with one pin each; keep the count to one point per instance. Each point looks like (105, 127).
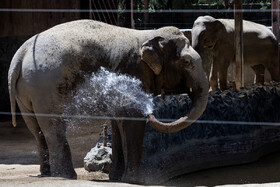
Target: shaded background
(21, 19)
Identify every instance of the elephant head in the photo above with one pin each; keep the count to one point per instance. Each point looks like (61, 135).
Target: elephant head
(206, 32)
(178, 69)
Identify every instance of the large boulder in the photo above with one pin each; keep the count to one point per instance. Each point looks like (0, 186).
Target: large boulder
(237, 127)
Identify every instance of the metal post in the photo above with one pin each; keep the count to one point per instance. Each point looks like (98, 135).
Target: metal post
(146, 13)
(275, 22)
(275, 18)
(238, 44)
(90, 10)
(105, 134)
(131, 16)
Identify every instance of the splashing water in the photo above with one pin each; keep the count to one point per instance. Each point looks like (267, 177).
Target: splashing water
(105, 94)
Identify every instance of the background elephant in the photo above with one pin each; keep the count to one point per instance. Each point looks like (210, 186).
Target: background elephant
(50, 65)
(260, 48)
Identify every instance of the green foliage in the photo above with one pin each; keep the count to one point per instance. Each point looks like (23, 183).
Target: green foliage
(257, 1)
(186, 4)
(210, 2)
(153, 4)
(158, 4)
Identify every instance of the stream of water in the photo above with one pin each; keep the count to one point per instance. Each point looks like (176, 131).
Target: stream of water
(105, 93)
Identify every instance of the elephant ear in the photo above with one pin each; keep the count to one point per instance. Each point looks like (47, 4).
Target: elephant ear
(151, 54)
(211, 31)
(180, 44)
(215, 27)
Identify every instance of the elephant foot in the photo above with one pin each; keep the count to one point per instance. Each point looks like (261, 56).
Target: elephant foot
(45, 174)
(213, 85)
(133, 179)
(115, 176)
(45, 170)
(67, 175)
(116, 171)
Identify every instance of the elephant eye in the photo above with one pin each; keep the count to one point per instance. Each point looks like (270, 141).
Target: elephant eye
(187, 62)
(184, 61)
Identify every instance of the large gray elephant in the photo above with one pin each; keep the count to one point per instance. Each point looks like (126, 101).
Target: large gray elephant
(50, 65)
(260, 48)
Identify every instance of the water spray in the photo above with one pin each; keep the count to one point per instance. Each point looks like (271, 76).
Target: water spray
(107, 93)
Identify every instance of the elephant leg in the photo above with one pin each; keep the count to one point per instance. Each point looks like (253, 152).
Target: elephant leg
(117, 169)
(34, 128)
(132, 133)
(259, 71)
(214, 75)
(59, 150)
(223, 76)
(273, 69)
(54, 130)
(220, 67)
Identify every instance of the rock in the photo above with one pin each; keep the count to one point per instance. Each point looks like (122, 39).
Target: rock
(229, 132)
(98, 159)
(232, 130)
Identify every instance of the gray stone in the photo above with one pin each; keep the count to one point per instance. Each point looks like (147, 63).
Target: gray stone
(98, 159)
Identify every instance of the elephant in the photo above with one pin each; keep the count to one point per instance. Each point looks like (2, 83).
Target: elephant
(50, 65)
(259, 44)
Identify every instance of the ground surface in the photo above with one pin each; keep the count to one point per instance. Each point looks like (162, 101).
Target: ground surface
(19, 165)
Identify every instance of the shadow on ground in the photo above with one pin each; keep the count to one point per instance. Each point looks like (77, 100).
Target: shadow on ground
(19, 164)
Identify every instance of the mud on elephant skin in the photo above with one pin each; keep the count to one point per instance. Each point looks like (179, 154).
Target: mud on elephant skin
(50, 65)
(260, 48)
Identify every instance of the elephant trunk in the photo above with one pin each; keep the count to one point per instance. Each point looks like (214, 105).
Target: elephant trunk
(199, 102)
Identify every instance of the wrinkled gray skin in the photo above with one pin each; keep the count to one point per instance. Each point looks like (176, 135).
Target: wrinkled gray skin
(260, 48)
(49, 66)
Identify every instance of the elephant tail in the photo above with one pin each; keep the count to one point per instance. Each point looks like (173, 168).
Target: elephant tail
(13, 75)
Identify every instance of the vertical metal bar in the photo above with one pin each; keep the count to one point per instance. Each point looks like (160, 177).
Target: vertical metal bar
(90, 10)
(275, 23)
(275, 17)
(131, 15)
(238, 44)
(146, 13)
(105, 134)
